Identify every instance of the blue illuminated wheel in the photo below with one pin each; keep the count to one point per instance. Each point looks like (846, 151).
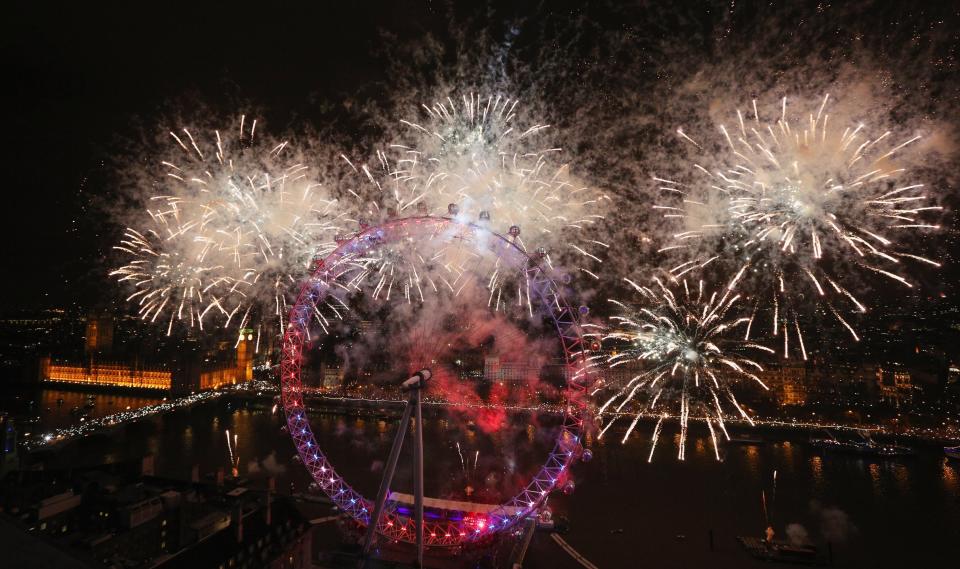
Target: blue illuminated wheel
(399, 264)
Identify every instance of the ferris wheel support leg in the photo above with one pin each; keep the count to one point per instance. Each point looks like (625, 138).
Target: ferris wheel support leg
(388, 473)
(418, 480)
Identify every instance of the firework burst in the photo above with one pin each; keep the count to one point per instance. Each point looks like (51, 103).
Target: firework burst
(676, 354)
(231, 221)
(432, 258)
(473, 158)
(805, 206)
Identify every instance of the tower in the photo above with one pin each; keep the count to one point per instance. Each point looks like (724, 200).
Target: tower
(99, 333)
(245, 349)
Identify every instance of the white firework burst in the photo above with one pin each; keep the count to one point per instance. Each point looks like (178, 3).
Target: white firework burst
(676, 352)
(805, 206)
(473, 158)
(232, 221)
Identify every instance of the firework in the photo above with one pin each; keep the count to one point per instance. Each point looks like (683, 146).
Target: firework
(233, 219)
(806, 207)
(234, 454)
(472, 158)
(681, 356)
(431, 258)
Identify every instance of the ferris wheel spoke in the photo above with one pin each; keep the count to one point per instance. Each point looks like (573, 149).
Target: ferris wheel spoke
(462, 260)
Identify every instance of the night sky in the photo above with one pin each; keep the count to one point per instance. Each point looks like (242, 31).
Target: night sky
(81, 80)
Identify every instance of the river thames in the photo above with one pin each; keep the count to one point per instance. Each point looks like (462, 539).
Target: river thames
(625, 512)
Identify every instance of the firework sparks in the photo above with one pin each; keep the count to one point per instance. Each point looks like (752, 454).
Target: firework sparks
(232, 220)
(410, 270)
(472, 158)
(676, 354)
(234, 454)
(805, 205)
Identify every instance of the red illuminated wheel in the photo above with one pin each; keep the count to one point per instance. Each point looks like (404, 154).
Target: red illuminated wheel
(439, 279)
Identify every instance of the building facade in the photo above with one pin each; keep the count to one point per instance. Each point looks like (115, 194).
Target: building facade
(189, 373)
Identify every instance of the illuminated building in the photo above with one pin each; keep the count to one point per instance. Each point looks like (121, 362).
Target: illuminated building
(788, 383)
(99, 374)
(187, 375)
(331, 377)
(513, 372)
(519, 377)
(895, 383)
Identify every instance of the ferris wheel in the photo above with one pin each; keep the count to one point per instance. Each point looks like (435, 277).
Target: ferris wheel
(439, 284)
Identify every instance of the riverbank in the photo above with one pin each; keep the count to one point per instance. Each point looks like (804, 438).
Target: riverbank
(624, 511)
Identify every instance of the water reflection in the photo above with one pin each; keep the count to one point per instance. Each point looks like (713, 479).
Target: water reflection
(816, 473)
(753, 461)
(188, 439)
(901, 474)
(874, 469)
(611, 489)
(61, 408)
(950, 478)
(787, 456)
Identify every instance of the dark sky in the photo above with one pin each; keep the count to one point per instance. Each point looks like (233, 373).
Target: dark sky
(79, 78)
(78, 75)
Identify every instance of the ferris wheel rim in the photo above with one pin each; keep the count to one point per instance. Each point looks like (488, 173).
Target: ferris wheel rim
(465, 528)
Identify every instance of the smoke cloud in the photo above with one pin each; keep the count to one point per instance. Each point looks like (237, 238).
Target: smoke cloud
(835, 524)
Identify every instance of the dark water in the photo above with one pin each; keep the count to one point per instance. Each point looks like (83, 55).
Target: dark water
(57, 408)
(875, 513)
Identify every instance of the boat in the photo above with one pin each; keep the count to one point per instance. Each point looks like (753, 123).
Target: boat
(890, 450)
(782, 551)
(865, 446)
(952, 452)
(746, 440)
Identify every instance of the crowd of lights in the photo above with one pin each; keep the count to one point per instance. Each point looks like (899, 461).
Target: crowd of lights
(90, 426)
